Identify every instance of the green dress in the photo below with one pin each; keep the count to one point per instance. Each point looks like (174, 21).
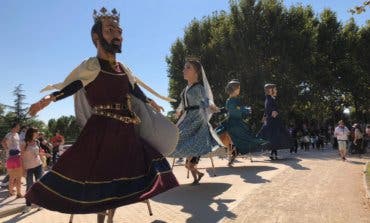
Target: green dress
(243, 138)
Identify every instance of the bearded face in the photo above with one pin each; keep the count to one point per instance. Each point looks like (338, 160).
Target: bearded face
(111, 47)
(110, 37)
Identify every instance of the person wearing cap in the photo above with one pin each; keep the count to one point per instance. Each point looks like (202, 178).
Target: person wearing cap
(341, 132)
(241, 135)
(273, 128)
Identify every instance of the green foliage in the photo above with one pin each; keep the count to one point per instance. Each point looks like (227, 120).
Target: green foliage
(17, 113)
(319, 65)
(40, 125)
(66, 125)
(19, 109)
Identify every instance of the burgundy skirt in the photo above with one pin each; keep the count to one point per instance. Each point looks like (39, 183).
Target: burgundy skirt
(108, 166)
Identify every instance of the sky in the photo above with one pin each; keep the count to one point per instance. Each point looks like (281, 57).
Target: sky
(41, 41)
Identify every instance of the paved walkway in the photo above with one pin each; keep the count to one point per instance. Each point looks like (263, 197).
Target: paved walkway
(320, 188)
(312, 186)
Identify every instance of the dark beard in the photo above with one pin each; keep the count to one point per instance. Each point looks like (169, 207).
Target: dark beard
(110, 47)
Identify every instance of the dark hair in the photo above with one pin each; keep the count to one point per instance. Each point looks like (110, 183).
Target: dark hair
(197, 67)
(96, 28)
(13, 152)
(14, 125)
(29, 134)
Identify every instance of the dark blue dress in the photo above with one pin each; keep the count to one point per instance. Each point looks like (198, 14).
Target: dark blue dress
(243, 138)
(274, 129)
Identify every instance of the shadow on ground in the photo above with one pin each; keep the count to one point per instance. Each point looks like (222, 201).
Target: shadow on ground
(248, 173)
(20, 217)
(292, 162)
(197, 201)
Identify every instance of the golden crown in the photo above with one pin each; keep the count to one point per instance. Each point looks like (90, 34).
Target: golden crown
(104, 14)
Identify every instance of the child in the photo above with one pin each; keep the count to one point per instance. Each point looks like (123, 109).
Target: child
(15, 171)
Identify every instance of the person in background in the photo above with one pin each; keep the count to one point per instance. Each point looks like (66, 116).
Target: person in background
(22, 133)
(15, 171)
(11, 141)
(305, 139)
(46, 147)
(293, 134)
(358, 139)
(341, 132)
(31, 160)
(56, 141)
(367, 137)
(367, 131)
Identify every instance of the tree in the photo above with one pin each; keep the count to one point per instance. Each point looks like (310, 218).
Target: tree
(19, 109)
(40, 125)
(17, 112)
(313, 59)
(66, 125)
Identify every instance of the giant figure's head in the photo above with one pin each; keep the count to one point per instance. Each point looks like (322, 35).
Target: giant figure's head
(106, 33)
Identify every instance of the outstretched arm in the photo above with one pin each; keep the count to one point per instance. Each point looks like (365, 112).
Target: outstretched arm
(137, 92)
(205, 102)
(69, 90)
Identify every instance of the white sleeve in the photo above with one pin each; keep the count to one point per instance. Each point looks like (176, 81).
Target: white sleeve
(180, 107)
(8, 136)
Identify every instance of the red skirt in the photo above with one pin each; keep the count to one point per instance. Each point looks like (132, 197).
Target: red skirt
(13, 162)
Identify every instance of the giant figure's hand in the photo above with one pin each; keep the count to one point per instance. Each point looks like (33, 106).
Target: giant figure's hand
(38, 106)
(156, 107)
